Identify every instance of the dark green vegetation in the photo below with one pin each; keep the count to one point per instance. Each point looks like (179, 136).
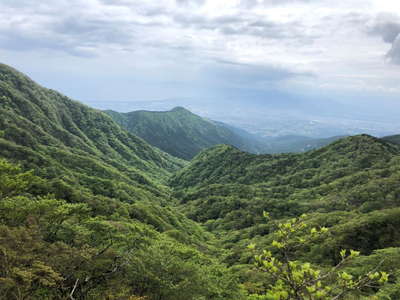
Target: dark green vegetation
(351, 187)
(90, 211)
(91, 220)
(45, 129)
(392, 139)
(182, 133)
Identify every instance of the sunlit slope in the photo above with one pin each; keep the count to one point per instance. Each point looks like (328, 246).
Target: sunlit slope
(182, 133)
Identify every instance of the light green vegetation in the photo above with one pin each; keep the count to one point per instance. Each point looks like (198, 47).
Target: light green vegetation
(90, 211)
(182, 133)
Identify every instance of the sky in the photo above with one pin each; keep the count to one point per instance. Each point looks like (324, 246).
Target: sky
(131, 50)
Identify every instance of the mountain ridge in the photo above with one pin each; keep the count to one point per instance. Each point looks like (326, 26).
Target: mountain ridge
(184, 134)
(392, 139)
(227, 155)
(55, 120)
(96, 210)
(179, 132)
(85, 209)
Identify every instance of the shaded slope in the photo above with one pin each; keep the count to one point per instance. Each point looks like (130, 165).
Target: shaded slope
(92, 247)
(83, 156)
(225, 164)
(395, 139)
(232, 188)
(182, 133)
(350, 187)
(111, 232)
(94, 220)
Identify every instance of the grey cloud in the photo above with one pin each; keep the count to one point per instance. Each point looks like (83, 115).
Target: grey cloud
(17, 3)
(117, 2)
(145, 9)
(76, 32)
(389, 31)
(350, 19)
(394, 53)
(190, 2)
(246, 24)
(92, 32)
(72, 27)
(82, 43)
(191, 20)
(254, 3)
(248, 74)
(17, 41)
(266, 29)
(387, 26)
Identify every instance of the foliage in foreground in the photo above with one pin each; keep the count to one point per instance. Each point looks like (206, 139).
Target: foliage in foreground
(292, 279)
(98, 223)
(350, 187)
(52, 249)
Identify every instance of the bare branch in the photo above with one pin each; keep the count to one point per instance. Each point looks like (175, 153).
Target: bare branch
(71, 295)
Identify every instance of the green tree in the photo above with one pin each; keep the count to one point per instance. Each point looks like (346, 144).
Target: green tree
(13, 181)
(292, 279)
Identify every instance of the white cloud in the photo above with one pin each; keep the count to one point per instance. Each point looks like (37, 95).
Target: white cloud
(291, 38)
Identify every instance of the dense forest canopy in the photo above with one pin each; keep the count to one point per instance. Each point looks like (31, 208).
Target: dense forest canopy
(182, 133)
(85, 212)
(88, 210)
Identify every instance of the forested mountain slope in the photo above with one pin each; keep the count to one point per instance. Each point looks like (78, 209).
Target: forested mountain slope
(45, 129)
(226, 164)
(232, 188)
(90, 211)
(87, 214)
(350, 187)
(182, 133)
(392, 138)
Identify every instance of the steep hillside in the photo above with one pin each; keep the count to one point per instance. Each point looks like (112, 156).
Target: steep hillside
(84, 209)
(45, 129)
(350, 187)
(356, 172)
(90, 211)
(228, 189)
(226, 164)
(392, 138)
(182, 133)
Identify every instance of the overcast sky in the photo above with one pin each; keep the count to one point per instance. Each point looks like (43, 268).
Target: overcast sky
(121, 50)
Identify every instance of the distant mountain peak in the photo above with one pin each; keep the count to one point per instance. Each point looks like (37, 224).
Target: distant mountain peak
(182, 133)
(180, 109)
(33, 116)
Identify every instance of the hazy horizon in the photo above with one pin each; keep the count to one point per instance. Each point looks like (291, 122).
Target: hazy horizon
(336, 65)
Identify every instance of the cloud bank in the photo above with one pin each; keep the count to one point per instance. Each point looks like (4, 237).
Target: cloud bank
(177, 48)
(387, 26)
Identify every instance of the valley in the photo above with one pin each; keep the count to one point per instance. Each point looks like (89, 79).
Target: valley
(164, 205)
